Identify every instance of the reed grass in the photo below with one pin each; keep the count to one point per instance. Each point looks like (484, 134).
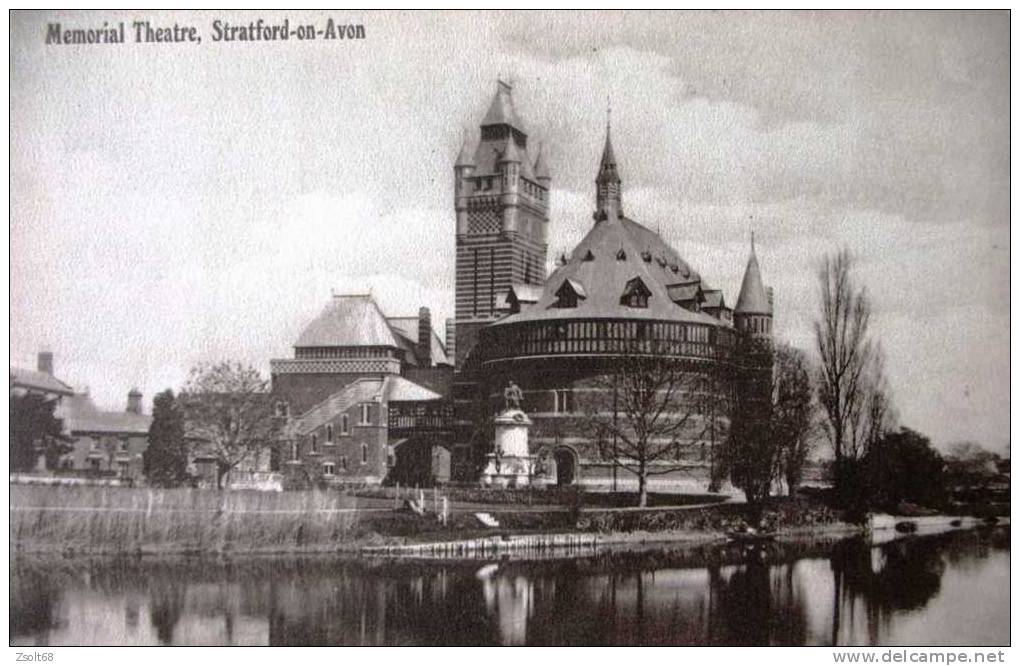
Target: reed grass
(110, 519)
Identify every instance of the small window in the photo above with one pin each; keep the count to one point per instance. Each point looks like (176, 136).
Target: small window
(563, 401)
(345, 426)
(95, 462)
(329, 434)
(282, 410)
(343, 463)
(635, 294)
(122, 468)
(364, 454)
(122, 446)
(328, 469)
(293, 451)
(315, 444)
(366, 414)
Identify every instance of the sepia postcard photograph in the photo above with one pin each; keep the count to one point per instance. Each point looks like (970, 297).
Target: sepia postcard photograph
(510, 328)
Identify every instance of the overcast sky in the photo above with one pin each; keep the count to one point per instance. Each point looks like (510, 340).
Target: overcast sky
(172, 204)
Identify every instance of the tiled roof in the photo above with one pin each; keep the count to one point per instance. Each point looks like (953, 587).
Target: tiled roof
(38, 381)
(752, 299)
(81, 416)
(489, 153)
(621, 250)
(348, 321)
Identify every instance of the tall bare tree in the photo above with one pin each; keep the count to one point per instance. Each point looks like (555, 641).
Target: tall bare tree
(651, 404)
(228, 410)
(847, 355)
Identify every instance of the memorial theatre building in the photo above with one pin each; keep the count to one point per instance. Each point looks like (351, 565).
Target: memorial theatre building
(621, 291)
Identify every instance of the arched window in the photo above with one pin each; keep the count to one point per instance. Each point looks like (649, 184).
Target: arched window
(364, 454)
(329, 434)
(315, 444)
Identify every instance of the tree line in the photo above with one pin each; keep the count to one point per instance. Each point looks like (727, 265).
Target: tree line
(761, 415)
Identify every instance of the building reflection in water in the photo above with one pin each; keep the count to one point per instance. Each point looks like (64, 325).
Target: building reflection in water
(850, 593)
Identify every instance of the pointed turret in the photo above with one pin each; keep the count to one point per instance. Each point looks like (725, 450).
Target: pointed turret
(510, 152)
(753, 312)
(466, 157)
(608, 197)
(542, 166)
(502, 111)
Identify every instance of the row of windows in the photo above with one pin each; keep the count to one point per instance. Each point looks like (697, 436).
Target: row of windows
(295, 455)
(330, 468)
(664, 338)
(365, 419)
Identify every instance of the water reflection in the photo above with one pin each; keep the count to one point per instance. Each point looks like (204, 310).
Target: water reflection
(949, 589)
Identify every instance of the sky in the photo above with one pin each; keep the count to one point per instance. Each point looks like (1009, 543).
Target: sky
(173, 204)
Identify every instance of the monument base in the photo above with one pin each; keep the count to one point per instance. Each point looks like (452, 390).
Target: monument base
(508, 472)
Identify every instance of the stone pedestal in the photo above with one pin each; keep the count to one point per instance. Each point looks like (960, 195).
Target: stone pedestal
(510, 465)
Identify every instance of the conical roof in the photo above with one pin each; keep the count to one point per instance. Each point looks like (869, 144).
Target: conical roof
(502, 111)
(510, 152)
(467, 154)
(607, 167)
(752, 299)
(542, 163)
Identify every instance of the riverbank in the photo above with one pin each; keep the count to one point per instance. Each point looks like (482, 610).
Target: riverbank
(119, 521)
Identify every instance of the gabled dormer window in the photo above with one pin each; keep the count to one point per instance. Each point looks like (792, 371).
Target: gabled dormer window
(588, 256)
(646, 257)
(621, 255)
(569, 293)
(635, 294)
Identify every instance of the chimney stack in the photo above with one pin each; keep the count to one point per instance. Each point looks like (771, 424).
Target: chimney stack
(134, 404)
(425, 337)
(46, 362)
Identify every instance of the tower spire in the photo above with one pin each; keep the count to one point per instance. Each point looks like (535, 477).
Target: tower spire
(608, 199)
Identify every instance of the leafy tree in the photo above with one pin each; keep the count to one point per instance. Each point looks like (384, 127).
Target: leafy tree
(793, 412)
(753, 451)
(34, 431)
(772, 417)
(228, 411)
(651, 403)
(904, 468)
(165, 462)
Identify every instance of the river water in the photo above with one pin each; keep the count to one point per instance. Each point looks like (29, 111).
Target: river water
(950, 589)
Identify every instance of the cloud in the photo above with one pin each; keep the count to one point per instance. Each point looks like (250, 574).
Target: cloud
(172, 205)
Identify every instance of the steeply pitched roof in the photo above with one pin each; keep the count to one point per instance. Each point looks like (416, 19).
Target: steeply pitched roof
(466, 155)
(502, 111)
(541, 163)
(645, 255)
(752, 299)
(38, 381)
(348, 321)
(607, 166)
(407, 328)
(81, 416)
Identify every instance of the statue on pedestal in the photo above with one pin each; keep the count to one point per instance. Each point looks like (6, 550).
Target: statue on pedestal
(513, 396)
